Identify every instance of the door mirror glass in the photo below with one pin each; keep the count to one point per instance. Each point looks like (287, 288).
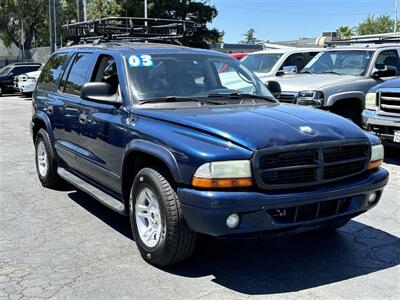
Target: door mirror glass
(99, 92)
(11, 74)
(385, 71)
(290, 70)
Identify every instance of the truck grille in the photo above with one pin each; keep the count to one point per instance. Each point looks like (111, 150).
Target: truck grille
(389, 101)
(289, 167)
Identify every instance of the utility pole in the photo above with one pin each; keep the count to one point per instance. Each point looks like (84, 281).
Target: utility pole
(145, 9)
(52, 25)
(395, 16)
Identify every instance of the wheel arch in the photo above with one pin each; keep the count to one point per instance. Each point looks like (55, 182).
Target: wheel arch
(40, 120)
(141, 153)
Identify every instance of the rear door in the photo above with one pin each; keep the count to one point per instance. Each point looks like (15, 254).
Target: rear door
(66, 132)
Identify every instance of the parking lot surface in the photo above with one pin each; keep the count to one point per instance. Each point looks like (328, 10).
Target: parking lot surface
(64, 244)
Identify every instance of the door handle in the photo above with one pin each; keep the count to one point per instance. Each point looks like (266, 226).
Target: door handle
(83, 118)
(48, 110)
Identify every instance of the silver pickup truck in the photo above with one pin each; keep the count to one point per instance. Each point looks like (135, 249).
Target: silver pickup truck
(339, 78)
(382, 113)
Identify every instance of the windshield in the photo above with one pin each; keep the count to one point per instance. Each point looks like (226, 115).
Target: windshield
(159, 76)
(261, 63)
(350, 62)
(5, 71)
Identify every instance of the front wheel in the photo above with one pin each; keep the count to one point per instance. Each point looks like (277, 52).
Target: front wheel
(46, 160)
(160, 231)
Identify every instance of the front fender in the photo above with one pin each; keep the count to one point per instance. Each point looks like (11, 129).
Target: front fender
(157, 151)
(40, 116)
(346, 95)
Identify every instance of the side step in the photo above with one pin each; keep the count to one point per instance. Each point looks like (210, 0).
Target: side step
(93, 191)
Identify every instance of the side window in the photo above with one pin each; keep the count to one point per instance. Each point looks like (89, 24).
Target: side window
(31, 68)
(290, 61)
(77, 75)
(106, 71)
(388, 58)
(50, 75)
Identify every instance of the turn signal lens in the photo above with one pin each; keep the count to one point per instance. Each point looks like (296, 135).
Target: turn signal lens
(375, 164)
(218, 183)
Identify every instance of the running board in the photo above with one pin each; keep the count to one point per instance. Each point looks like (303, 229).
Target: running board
(93, 191)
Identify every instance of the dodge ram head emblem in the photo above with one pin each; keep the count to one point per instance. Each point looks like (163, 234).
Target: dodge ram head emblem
(306, 129)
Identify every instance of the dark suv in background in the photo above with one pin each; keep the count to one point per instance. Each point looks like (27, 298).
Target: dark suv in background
(158, 132)
(8, 73)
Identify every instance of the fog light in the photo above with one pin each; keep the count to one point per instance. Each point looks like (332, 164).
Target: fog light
(371, 198)
(232, 221)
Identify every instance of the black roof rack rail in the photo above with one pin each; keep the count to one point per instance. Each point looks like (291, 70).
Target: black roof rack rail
(368, 39)
(129, 29)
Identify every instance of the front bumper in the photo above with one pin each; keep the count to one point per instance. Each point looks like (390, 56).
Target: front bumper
(382, 126)
(206, 211)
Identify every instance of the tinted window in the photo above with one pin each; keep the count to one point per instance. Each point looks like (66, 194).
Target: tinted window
(17, 71)
(31, 68)
(296, 59)
(106, 71)
(388, 58)
(51, 73)
(77, 75)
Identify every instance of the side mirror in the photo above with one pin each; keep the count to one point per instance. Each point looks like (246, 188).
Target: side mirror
(387, 71)
(11, 74)
(274, 87)
(290, 70)
(99, 92)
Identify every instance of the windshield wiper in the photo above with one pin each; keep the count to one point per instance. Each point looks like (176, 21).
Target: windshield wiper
(241, 96)
(330, 72)
(307, 72)
(169, 99)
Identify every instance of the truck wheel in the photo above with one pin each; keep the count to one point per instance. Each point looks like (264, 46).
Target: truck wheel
(1, 91)
(46, 160)
(157, 223)
(349, 113)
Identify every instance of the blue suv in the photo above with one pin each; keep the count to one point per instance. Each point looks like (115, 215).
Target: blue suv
(187, 141)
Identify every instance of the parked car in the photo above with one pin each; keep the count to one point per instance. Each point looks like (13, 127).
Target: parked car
(382, 113)
(268, 64)
(150, 131)
(26, 83)
(338, 79)
(8, 73)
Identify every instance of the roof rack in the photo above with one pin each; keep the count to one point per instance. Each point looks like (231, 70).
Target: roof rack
(129, 29)
(367, 39)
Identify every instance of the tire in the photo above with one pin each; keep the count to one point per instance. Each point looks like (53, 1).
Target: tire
(173, 241)
(28, 95)
(1, 91)
(46, 160)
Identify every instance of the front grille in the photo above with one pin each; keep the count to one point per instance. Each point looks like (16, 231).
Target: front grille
(287, 98)
(389, 102)
(311, 164)
(310, 212)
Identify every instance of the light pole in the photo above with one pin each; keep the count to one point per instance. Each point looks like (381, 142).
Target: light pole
(52, 25)
(395, 16)
(145, 9)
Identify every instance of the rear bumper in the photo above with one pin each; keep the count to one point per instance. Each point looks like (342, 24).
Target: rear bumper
(382, 126)
(206, 211)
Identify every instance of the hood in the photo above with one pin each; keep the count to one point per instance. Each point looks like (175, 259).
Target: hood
(394, 83)
(303, 82)
(260, 126)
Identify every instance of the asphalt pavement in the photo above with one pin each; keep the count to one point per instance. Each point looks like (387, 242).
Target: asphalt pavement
(64, 244)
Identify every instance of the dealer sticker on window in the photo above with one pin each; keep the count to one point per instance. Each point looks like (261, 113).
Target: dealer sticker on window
(140, 60)
(396, 137)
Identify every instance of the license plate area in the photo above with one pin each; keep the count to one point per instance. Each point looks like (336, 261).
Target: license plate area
(396, 136)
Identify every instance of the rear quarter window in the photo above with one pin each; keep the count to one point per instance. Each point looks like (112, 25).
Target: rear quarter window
(51, 73)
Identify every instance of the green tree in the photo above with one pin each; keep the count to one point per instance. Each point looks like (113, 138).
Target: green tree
(344, 32)
(103, 8)
(374, 25)
(20, 23)
(200, 11)
(249, 37)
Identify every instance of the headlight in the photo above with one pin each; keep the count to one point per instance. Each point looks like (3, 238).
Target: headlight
(377, 155)
(223, 174)
(313, 98)
(370, 101)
